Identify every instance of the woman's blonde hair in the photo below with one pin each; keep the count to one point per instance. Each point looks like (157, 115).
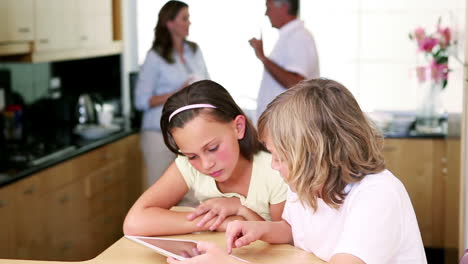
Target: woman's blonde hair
(319, 130)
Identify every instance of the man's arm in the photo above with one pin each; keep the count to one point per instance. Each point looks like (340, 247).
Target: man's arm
(286, 78)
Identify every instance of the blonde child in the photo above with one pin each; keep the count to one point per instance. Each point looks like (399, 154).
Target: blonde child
(219, 158)
(342, 205)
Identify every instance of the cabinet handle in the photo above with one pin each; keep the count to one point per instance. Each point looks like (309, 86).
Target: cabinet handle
(390, 149)
(23, 30)
(64, 199)
(66, 246)
(84, 38)
(3, 203)
(30, 190)
(107, 177)
(107, 199)
(444, 170)
(44, 41)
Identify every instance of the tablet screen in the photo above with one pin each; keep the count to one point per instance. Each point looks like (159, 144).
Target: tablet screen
(179, 249)
(176, 248)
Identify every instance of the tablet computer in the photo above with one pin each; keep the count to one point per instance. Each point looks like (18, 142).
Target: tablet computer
(179, 249)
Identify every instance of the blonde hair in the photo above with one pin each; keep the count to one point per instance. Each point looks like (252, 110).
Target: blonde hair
(318, 128)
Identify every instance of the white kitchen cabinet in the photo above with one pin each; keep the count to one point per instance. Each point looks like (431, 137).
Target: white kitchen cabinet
(55, 25)
(16, 20)
(94, 22)
(71, 24)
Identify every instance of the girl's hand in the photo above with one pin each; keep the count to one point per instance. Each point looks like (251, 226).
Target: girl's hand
(216, 209)
(242, 233)
(212, 254)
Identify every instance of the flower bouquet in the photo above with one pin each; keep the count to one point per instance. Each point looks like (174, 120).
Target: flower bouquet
(432, 75)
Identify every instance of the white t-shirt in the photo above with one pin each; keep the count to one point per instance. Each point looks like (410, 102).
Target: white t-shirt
(376, 223)
(266, 186)
(294, 51)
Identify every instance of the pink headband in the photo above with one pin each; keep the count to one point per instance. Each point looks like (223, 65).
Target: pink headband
(187, 107)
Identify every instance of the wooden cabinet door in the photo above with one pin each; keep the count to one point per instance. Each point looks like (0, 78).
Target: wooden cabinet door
(55, 25)
(95, 22)
(30, 243)
(16, 20)
(66, 225)
(7, 222)
(133, 168)
(418, 164)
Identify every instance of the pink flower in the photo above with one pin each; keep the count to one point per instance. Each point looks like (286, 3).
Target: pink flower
(444, 35)
(439, 72)
(419, 34)
(427, 44)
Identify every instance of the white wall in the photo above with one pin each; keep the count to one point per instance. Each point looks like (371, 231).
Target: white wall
(365, 45)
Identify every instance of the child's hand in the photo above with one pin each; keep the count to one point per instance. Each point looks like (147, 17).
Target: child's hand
(216, 209)
(242, 233)
(212, 254)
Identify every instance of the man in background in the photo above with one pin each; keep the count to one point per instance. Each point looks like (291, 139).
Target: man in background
(294, 56)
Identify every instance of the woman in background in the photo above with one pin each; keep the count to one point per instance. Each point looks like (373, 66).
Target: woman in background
(171, 64)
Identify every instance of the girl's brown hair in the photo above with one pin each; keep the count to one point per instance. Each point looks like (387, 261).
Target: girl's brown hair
(206, 92)
(162, 43)
(318, 128)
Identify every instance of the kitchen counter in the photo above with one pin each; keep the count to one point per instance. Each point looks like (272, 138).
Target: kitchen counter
(125, 251)
(75, 148)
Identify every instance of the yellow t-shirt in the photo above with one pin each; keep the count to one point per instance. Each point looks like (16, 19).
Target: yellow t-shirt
(266, 185)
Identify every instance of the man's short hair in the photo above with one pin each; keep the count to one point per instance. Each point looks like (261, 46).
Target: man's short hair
(293, 6)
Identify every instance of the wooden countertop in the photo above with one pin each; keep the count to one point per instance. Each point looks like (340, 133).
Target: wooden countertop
(126, 251)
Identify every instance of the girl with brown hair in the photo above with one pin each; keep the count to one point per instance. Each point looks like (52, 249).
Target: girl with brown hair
(219, 158)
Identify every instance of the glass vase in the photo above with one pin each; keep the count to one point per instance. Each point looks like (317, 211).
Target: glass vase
(431, 115)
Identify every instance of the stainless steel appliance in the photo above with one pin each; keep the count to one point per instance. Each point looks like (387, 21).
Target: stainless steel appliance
(86, 109)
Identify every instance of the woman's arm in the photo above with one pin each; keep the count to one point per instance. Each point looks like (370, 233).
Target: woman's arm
(148, 82)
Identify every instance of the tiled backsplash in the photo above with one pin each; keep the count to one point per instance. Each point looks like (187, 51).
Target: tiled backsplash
(30, 80)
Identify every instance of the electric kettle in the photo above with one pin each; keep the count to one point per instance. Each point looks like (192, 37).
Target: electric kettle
(86, 109)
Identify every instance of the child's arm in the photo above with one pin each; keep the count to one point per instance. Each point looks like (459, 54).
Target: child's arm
(150, 215)
(216, 210)
(276, 211)
(242, 233)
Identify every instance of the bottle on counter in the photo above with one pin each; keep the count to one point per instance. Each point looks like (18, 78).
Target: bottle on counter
(13, 122)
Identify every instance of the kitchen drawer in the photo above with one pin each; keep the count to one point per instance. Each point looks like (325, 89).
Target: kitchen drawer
(104, 177)
(57, 176)
(66, 205)
(114, 196)
(96, 159)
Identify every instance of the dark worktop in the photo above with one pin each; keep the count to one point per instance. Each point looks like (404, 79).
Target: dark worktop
(76, 148)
